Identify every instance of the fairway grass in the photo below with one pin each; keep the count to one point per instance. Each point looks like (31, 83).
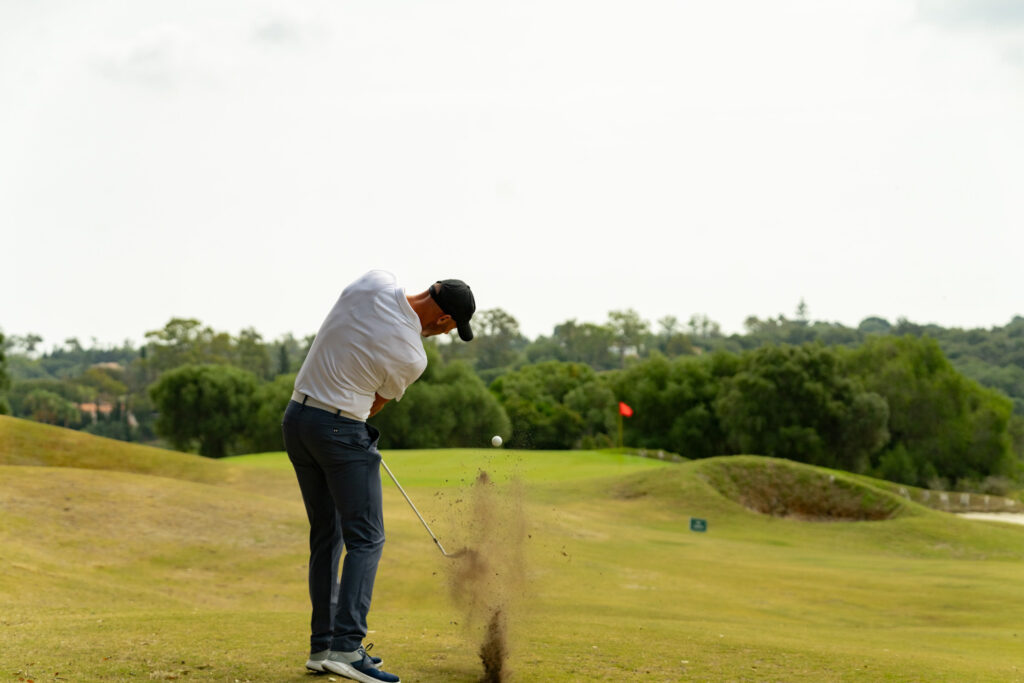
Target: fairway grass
(115, 567)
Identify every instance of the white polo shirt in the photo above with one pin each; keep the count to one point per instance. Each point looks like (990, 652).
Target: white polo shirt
(370, 343)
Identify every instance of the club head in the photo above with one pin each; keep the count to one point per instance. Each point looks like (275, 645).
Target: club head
(465, 553)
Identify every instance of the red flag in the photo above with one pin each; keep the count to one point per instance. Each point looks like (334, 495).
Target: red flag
(624, 410)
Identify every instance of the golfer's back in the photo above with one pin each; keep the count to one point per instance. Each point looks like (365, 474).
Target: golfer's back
(369, 344)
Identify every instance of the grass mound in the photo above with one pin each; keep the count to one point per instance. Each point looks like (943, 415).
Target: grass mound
(782, 488)
(27, 443)
(23, 442)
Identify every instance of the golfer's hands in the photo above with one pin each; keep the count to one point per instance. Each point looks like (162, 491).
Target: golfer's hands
(378, 403)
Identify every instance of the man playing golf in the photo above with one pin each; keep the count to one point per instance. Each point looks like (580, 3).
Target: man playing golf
(366, 353)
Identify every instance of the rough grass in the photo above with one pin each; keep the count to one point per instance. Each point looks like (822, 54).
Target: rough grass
(109, 574)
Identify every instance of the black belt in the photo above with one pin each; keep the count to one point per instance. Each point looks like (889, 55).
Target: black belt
(307, 400)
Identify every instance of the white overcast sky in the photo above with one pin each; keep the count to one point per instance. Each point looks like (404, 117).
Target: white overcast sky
(241, 161)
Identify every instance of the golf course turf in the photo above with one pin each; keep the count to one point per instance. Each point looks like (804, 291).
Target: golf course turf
(122, 562)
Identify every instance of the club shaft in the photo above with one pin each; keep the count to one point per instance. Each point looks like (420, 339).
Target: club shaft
(409, 501)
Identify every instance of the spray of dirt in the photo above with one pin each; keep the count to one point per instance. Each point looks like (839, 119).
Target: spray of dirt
(493, 650)
(486, 577)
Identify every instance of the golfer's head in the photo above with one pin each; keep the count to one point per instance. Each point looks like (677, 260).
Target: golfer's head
(455, 299)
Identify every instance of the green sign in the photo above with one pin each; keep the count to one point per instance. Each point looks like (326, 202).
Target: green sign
(698, 524)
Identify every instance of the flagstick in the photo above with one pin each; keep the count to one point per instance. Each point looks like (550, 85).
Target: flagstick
(620, 430)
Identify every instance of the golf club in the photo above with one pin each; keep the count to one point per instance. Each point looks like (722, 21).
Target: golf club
(409, 501)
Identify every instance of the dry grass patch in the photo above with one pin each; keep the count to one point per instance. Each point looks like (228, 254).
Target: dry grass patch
(781, 488)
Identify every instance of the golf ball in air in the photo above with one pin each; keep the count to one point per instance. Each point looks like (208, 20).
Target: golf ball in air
(495, 440)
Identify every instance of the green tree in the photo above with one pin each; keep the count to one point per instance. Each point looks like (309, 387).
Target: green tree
(290, 353)
(184, 341)
(26, 344)
(252, 354)
(670, 340)
(498, 343)
(174, 345)
(105, 381)
(778, 330)
(449, 406)
(582, 343)
(270, 400)
(630, 333)
(874, 325)
(544, 348)
(802, 312)
(5, 379)
(947, 425)
(797, 403)
(211, 405)
(673, 402)
(66, 390)
(556, 405)
(46, 406)
(284, 363)
(703, 327)
(706, 334)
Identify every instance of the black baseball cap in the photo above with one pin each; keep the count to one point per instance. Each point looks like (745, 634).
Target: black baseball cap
(456, 299)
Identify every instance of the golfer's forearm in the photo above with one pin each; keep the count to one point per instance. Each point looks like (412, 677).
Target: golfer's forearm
(378, 403)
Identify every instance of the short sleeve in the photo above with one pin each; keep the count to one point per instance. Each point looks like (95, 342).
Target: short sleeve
(398, 379)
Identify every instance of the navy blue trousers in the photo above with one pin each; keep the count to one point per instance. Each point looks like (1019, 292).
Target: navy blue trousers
(338, 467)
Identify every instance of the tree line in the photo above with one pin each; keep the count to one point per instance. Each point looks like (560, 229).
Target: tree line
(916, 404)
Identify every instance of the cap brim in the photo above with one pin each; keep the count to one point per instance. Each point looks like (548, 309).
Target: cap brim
(465, 333)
